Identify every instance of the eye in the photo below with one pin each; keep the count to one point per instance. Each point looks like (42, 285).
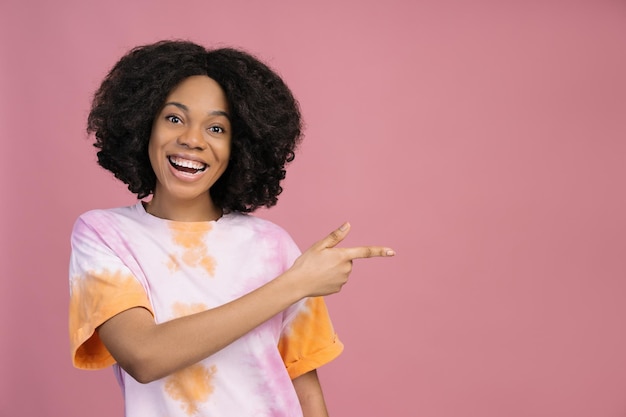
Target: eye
(174, 119)
(216, 129)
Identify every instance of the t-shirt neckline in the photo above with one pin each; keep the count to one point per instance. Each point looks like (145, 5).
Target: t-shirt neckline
(181, 224)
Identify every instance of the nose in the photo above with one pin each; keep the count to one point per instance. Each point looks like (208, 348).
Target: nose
(192, 138)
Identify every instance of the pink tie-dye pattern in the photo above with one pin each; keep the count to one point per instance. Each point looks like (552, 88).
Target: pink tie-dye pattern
(128, 240)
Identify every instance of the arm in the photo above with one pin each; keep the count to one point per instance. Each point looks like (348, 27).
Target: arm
(310, 394)
(149, 351)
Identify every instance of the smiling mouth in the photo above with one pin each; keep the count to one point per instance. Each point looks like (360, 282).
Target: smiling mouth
(186, 165)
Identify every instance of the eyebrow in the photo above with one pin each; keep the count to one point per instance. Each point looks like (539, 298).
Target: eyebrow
(186, 109)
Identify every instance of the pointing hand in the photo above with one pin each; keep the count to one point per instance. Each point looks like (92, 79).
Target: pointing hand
(324, 268)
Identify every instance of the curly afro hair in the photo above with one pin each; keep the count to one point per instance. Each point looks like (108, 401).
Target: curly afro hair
(265, 118)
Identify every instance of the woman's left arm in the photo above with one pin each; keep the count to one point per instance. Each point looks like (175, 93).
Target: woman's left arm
(310, 395)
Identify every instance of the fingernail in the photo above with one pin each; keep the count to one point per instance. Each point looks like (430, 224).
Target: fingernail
(343, 227)
(390, 252)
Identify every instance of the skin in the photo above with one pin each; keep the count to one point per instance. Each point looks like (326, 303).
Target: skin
(310, 395)
(193, 125)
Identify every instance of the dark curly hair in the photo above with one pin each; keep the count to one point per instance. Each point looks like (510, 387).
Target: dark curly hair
(265, 119)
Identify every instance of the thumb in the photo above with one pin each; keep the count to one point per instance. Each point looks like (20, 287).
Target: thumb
(334, 237)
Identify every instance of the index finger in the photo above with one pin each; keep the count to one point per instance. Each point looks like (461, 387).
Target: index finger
(368, 252)
(334, 238)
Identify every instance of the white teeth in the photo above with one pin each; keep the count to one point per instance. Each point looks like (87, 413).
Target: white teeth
(186, 163)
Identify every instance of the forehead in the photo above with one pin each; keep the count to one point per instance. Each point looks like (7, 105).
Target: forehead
(201, 91)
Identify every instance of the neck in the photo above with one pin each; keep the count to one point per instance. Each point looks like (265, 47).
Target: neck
(197, 210)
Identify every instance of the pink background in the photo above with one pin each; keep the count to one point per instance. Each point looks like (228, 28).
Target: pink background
(484, 141)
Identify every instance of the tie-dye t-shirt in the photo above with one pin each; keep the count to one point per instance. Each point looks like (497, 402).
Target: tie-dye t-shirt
(123, 258)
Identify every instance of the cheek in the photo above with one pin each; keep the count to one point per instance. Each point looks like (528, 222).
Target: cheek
(154, 152)
(226, 150)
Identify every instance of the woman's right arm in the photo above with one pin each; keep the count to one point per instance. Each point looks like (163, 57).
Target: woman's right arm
(149, 351)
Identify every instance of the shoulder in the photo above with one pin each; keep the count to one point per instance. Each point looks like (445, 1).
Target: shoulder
(266, 234)
(103, 219)
(257, 225)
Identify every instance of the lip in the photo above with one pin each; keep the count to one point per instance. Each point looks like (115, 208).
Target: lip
(187, 176)
(187, 157)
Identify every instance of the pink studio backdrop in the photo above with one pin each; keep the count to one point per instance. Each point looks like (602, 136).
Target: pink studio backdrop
(484, 141)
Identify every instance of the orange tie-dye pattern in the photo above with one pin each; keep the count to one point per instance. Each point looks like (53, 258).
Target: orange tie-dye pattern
(191, 239)
(308, 336)
(172, 263)
(191, 386)
(182, 310)
(95, 298)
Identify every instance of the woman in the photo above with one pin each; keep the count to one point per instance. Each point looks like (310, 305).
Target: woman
(203, 310)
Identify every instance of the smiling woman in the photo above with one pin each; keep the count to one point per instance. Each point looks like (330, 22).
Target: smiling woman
(264, 117)
(201, 308)
(189, 150)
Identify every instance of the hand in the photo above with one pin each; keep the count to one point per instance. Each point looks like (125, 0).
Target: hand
(323, 269)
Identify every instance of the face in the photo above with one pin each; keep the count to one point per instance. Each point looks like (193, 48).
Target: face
(189, 146)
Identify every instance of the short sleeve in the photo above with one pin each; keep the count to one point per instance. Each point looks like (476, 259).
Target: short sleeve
(308, 340)
(101, 286)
